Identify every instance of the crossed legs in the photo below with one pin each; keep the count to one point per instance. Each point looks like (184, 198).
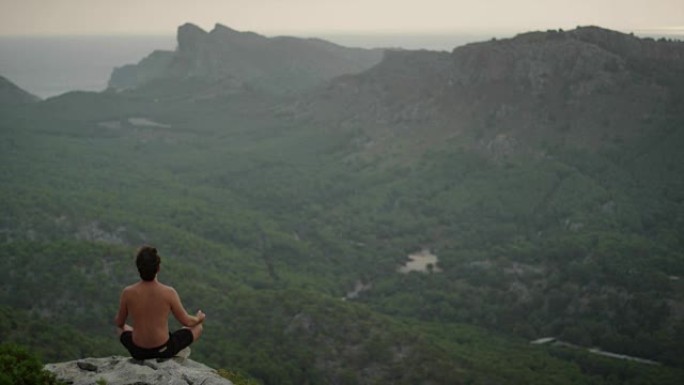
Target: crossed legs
(195, 330)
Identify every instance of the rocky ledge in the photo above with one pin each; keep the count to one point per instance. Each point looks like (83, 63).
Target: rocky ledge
(117, 370)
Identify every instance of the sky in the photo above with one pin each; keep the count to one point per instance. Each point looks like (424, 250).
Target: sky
(162, 17)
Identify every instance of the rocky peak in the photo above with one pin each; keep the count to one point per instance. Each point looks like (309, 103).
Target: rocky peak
(222, 35)
(533, 61)
(190, 37)
(644, 54)
(117, 370)
(220, 28)
(239, 61)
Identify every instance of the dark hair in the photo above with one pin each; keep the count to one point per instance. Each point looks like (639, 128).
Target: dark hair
(147, 261)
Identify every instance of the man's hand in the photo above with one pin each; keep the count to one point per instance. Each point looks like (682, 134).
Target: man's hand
(200, 316)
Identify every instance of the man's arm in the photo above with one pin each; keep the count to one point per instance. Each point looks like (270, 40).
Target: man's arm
(122, 314)
(181, 315)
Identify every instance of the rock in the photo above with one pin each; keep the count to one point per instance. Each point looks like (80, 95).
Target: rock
(117, 370)
(190, 38)
(87, 366)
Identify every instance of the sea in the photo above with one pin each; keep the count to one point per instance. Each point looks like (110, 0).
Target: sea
(48, 66)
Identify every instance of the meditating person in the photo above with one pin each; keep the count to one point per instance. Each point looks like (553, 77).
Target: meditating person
(149, 303)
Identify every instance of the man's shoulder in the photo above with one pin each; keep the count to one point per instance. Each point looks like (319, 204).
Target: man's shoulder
(130, 288)
(167, 289)
(146, 286)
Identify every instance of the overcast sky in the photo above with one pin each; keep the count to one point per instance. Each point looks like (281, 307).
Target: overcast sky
(87, 17)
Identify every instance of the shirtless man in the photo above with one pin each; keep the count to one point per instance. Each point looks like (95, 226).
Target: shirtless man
(149, 303)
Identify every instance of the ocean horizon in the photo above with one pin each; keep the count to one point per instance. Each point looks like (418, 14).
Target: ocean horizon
(50, 66)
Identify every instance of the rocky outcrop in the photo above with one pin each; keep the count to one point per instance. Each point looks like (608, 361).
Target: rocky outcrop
(190, 38)
(645, 53)
(131, 75)
(118, 370)
(230, 60)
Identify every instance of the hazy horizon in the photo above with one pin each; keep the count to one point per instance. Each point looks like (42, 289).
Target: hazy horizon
(665, 32)
(305, 17)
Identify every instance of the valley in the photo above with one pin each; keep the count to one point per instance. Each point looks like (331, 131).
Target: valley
(538, 179)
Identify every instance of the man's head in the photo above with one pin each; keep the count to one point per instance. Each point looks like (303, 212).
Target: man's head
(147, 261)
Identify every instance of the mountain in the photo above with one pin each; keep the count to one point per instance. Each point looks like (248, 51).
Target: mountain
(545, 142)
(232, 60)
(12, 95)
(588, 87)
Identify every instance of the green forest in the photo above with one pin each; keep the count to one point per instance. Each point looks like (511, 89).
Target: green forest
(267, 220)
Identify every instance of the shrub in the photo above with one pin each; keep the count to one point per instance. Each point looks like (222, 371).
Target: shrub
(20, 367)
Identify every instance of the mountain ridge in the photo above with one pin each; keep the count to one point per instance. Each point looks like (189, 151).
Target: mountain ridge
(588, 87)
(245, 59)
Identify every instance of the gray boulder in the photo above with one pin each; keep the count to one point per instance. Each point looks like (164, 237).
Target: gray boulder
(117, 370)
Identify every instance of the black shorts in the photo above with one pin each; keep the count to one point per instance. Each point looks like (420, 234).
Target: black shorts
(178, 340)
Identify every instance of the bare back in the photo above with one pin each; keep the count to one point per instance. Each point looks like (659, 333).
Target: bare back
(149, 304)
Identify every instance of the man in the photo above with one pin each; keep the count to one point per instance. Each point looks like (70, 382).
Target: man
(149, 303)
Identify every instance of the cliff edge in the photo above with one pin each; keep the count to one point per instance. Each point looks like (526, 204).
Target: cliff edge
(117, 370)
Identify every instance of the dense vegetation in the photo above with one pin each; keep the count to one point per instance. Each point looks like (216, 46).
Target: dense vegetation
(266, 219)
(19, 366)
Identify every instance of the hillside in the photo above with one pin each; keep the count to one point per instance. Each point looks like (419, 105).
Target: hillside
(226, 60)
(541, 170)
(543, 173)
